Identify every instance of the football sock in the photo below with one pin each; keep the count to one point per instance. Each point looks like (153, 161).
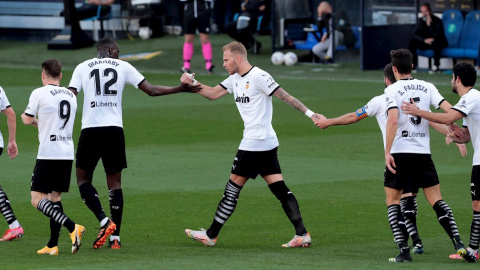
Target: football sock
(14, 225)
(187, 54)
(407, 205)
(474, 251)
(55, 227)
(6, 208)
(397, 224)
(116, 207)
(90, 197)
(289, 205)
(445, 217)
(225, 208)
(475, 231)
(47, 208)
(207, 54)
(103, 222)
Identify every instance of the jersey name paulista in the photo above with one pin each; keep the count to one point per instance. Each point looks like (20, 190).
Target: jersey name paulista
(55, 108)
(413, 132)
(102, 81)
(252, 93)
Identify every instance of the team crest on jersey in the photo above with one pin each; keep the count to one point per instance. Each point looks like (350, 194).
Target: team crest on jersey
(247, 86)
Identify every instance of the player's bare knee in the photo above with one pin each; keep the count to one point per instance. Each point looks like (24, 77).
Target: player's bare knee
(476, 206)
(35, 199)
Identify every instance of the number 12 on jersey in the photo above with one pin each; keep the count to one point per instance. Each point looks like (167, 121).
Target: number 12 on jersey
(95, 74)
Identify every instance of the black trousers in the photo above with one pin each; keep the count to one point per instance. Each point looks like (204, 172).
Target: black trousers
(417, 44)
(244, 35)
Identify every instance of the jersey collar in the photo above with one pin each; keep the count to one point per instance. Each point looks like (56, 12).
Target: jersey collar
(247, 72)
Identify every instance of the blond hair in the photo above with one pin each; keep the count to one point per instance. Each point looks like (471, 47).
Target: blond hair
(236, 47)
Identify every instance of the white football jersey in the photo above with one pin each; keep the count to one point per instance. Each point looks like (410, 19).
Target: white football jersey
(252, 93)
(378, 108)
(469, 106)
(4, 104)
(55, 108)
(413, 132)
(102, 81)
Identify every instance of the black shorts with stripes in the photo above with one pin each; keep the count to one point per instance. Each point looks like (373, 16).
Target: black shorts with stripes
(51, 175)
(418, 169)
(252, 163)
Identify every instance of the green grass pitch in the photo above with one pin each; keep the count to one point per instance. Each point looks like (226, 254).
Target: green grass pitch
(180, 149)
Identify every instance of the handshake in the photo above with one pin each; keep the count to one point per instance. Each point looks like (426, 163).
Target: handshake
(319, 120)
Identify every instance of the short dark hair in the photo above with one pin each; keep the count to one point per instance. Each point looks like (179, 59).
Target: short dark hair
(52, 67)
(466, 73)
(388, 73)
(402, 60)
(105, 43)
(427, 5)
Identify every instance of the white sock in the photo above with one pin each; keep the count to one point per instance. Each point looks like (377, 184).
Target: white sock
(113, 237)
(474, 251)
(14, 225)
(103, 222)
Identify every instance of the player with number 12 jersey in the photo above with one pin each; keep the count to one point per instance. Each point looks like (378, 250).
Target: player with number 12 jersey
(104, 79)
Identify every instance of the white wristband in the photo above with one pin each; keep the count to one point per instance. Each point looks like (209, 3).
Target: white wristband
(194, 82)
(309, 113)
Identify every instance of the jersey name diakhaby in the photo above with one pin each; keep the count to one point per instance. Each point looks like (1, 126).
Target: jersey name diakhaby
(103, 81)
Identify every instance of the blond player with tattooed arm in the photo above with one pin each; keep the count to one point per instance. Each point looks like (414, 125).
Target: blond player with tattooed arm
(253, 89)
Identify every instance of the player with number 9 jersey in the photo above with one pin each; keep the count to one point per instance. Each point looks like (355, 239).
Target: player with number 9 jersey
(55, 107)
(52, 109)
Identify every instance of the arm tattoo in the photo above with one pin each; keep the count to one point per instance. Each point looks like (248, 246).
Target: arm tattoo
(290, 100)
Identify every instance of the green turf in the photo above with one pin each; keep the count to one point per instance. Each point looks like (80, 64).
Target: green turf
(180, 149)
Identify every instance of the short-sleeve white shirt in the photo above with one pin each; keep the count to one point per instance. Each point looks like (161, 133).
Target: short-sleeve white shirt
(55, 108)
(252, 93)
(412, 133)
(377, 107)
(4, 104)
(102, 81)
(469, 106)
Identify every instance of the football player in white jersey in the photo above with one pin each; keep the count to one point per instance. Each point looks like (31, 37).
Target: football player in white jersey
(103, 80)
(378, 108)
(252, 90)
(52, 109)
(14, 229)
(407, 154)
(468, 108)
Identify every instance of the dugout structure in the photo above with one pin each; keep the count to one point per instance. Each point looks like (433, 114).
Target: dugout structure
(388, 25)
